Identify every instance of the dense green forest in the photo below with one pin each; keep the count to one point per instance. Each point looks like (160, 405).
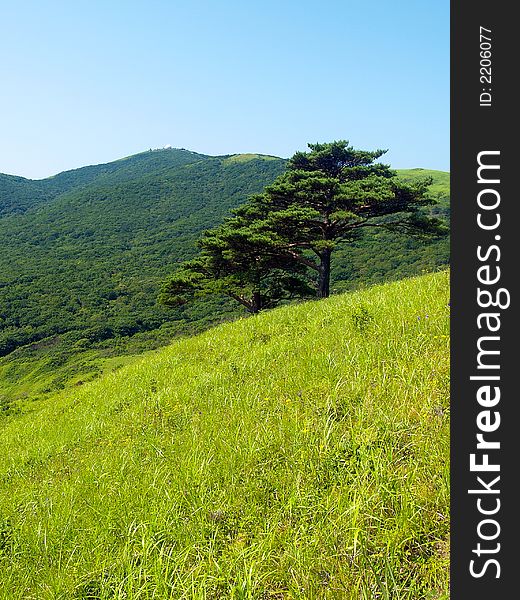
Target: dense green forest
(18, 194)
(90, 260)
(84, 254)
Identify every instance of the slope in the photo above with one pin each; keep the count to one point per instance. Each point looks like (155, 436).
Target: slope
(125, 169)
(18, 194)
(80, 270)
(92, 260)
(441, 180)
(302, 453)
(382, 256)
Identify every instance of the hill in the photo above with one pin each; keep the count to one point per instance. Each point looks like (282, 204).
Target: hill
(84, 254)
(204, 470)
(441, 180)
(91, 260)
(17, 194)
(382, 256)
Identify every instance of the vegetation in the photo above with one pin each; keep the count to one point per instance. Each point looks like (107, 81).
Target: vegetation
(241, 260)
(91, 261)
(84, 254)
(206, 470)
(328, 195)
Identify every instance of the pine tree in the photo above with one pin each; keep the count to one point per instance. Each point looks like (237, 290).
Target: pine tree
(266, 252)
(331, 195)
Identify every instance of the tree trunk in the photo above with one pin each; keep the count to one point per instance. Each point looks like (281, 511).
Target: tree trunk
(324, 274)
(256, 303)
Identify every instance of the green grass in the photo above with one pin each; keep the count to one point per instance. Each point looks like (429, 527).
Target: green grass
(36, 371)
(108, 235)
(441, 179)
(240, 158)
(301, 453)
(30, 374)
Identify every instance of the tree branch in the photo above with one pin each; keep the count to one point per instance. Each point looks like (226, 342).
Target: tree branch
(240, 299)
(303, 260)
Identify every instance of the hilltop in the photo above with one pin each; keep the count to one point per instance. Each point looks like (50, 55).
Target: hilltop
(441, 179)
(205, 469)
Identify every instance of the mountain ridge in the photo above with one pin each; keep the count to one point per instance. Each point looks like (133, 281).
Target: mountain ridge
(100, 174)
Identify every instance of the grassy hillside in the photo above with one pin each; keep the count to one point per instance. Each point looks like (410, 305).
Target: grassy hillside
(84, 254)
(440, 187)
(302, 454)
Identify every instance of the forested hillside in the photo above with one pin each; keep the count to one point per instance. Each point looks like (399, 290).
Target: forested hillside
(18, 194)
(381, 256)
(84, 254)
(91, 260)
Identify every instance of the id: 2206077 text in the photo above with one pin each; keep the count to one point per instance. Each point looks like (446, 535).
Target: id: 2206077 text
(485, 66)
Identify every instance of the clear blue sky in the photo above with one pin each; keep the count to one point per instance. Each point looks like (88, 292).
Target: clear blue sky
(89, 82)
